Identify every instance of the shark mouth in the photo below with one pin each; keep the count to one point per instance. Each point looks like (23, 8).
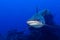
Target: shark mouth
(35, 24)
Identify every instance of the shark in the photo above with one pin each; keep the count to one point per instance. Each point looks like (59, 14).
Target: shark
(38, 20)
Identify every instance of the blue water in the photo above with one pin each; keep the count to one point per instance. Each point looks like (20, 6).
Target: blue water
(15, 13)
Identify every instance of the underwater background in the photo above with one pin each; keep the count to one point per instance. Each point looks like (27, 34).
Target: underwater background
(15, 13)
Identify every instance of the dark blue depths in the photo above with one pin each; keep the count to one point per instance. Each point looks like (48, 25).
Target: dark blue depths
(13, 14)
(43, 33)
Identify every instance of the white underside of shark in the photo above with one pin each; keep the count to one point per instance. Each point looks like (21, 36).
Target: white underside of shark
(36, 24)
